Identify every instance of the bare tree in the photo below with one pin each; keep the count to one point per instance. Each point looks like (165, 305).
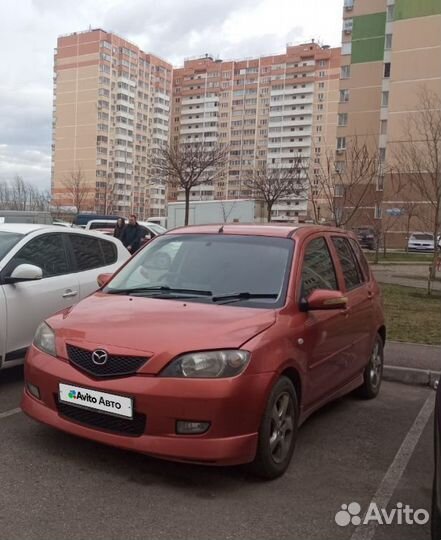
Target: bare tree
(273, 182)
(77, 188)
(418, 157)
(343, 183)
(188, 165)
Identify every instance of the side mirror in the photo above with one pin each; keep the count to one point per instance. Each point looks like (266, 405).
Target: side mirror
(24, 272)
(322, 299)
(103, 279)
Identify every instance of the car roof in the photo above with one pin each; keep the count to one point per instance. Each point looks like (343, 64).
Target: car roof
(25, 228)
(276, 230)
(28, 228)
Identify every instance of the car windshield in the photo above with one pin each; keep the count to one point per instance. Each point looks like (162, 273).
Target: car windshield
(242, 270)
(8, 241)
(427, 237)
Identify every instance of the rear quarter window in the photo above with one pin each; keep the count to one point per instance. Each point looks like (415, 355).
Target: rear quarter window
(110, 252)
(87, 252)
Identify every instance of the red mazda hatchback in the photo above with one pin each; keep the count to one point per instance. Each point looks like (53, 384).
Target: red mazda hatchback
(213, 344)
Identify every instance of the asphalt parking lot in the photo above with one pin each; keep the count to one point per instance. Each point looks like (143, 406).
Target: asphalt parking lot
(53, 485)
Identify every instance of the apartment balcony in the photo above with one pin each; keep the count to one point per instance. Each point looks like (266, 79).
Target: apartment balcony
(309, 100)
(187, 121)
(198, 130)
(290, 144)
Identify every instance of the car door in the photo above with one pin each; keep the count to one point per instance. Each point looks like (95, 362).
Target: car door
(359, 322)
(93, 256)
(28, 303)
(325, 338)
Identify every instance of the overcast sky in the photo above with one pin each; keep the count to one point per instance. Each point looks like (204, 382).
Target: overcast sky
(173, 29)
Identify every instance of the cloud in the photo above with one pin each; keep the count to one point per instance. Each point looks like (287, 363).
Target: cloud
(172, 29)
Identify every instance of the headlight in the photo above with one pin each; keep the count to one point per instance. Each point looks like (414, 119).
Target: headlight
(208, 364)
(44, 339)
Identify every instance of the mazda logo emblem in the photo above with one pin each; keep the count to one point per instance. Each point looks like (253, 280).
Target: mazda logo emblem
(99, 357)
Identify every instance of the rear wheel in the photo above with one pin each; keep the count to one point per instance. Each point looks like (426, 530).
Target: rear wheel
(373, 373)
(278, 431)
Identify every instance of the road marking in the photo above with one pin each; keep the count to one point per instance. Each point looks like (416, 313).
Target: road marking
(398, 466)
(10, 413)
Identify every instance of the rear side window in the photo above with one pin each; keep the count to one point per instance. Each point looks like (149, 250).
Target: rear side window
(351, 271)
(318, 270)
(364, 265)
(87, 251)
(45, 251)
(109, 251)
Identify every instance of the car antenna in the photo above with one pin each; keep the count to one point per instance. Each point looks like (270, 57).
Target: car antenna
(221, 229)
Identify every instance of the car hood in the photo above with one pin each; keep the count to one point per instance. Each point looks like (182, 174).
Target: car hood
(158, 328)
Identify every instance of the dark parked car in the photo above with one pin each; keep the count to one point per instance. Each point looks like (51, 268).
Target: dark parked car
(366, 237)
(436, 494)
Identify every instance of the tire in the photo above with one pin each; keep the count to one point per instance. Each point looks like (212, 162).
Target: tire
(373, 373)
(435, 523)
(278, 431)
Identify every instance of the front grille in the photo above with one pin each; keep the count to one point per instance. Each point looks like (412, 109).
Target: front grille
(105, 422)
(116, 366)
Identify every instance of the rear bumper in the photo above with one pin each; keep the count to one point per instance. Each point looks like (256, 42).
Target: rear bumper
(232, 406)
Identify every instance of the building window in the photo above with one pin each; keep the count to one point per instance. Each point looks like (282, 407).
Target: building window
(387, 70)
(347, 26)
(385, 99)
(346, 48)
(390, 13)
(349, 4)
(342, 119)
(345, 72)
(380, 183)
(344, 96)
(341, 143)
(339, 191)
(383, 129)
(382, 154)
(388, 43)
(378, 212)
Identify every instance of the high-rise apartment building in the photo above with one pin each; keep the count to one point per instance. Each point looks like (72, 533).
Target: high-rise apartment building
(391, 50)
(272, 109)
(111, 110)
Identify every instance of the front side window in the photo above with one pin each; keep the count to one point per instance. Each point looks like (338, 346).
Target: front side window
(207, 266)
(47, 252)
(318, 270)
(351, 271)
(109, 251)
(8, 241)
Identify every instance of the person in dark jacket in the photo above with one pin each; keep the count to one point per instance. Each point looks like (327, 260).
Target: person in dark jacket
(132, 234)
(119, 227)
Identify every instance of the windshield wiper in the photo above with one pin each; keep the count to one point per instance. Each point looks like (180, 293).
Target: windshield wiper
(237, 297)
(160, 289)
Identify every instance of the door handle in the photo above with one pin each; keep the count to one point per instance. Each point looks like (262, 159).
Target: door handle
(69, 293)
(370, 294)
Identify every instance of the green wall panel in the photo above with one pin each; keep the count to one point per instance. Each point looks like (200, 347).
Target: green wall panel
(369, 26)
(409, 9)
(368, 50)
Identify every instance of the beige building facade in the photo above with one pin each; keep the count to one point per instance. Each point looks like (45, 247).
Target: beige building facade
(111, 109)
(269, 110)
(391, 53)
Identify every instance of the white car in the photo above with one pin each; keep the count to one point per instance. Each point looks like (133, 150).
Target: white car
(44, 269)
(107, 226)
(422, 242)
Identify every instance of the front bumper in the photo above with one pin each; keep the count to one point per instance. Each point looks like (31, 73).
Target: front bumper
(232, 406)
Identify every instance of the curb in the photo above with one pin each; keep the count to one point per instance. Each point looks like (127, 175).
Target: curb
(418, 377)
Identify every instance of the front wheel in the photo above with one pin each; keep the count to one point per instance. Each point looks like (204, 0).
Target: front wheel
(278, 431)
(373, 373)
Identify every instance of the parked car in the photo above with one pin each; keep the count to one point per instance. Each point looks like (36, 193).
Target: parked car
(366, 237)
(213, 344)
(107, 226)
(44, 268)
(436, 491)
(81, 220)
(422, 242)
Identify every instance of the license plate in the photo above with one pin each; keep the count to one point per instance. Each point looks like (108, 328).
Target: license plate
(85, 398)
